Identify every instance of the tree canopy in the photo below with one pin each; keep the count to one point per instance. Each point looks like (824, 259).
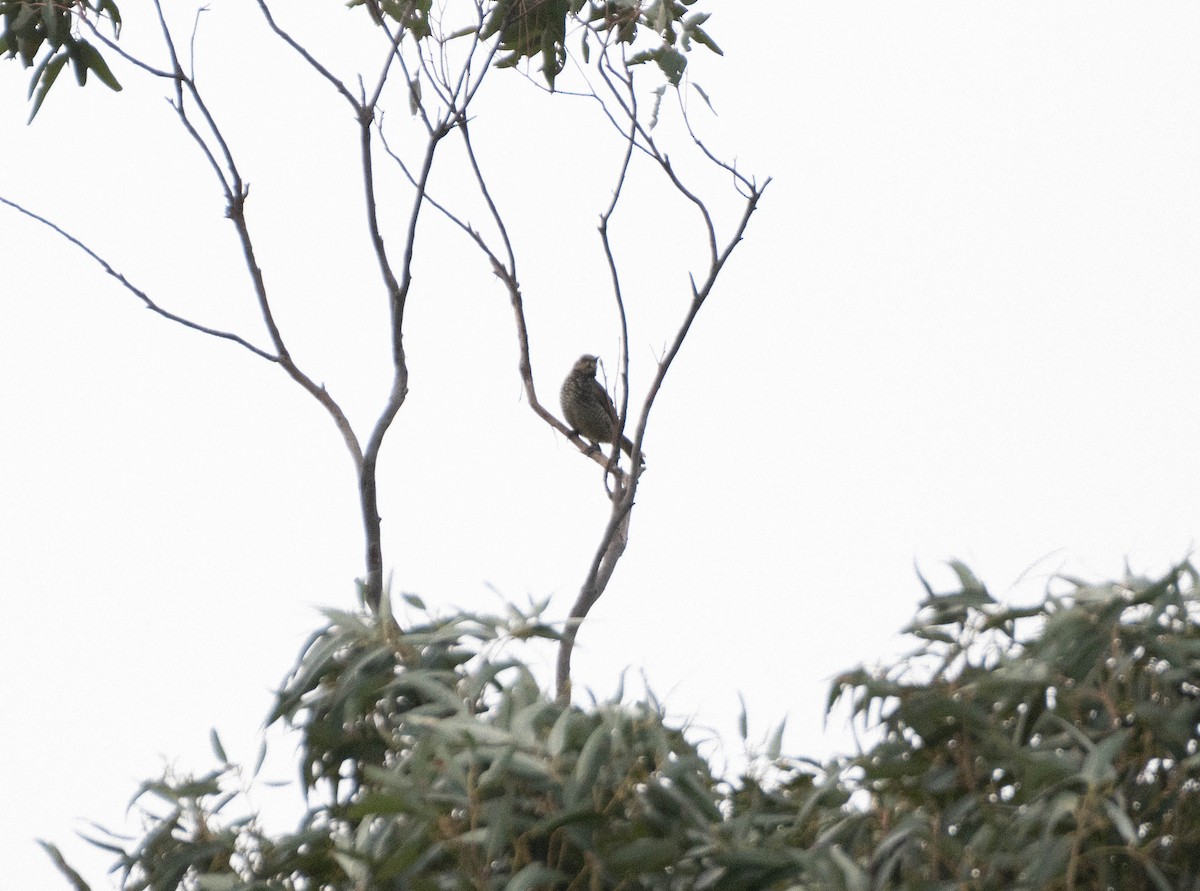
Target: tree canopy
(1044, 747)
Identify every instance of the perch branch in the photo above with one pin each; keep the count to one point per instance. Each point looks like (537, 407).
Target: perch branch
(615, 537)
(616, 533)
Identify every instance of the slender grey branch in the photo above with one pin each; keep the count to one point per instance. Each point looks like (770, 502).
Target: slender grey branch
(744, 184)
(236, 193)
(607, 71)
(307, 56)
(176, 69)
(192, 42)
(392, 55)
(484, 67)
(436, 80)
(228, 188)
(614, 539)
(318, 392)
(505, 271)
(120, 51)
(138, 292)
(180, 80)
(612, 547)
(616, 533)
(508, 276)
(625, 75)
(618, 297)
(237, 184)
(464, 130)
(698, 298)
(397, 289)
(414, 86)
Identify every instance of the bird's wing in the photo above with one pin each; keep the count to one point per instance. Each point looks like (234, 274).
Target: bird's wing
(604, 399)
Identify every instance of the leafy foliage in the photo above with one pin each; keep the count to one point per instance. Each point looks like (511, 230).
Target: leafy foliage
(1065, 757)
(31, 25)
(1046, 747)
(439, 764)
(525, 30)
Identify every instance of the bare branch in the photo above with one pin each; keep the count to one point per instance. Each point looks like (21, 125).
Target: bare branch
(619, 82)
(231, 182)
(236, 193)
(616, 533)
(307, 56)
(192, 43)
(612, 547)
(698, 298)
(392, 55)
(318, 392)
(743, 183)
(491, 204)
(610, 259)
(436, 80)
(120, 51)
(507, 275)
(138, 292)
(176, 69)
(397, 288)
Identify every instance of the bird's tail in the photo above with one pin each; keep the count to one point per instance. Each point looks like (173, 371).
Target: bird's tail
(627, 448)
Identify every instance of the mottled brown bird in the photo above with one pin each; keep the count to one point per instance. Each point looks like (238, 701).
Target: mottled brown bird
(587, 406)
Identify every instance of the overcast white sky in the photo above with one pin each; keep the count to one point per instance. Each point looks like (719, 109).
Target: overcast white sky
(961, 325)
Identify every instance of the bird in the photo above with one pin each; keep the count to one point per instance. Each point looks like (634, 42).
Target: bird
(587, 406)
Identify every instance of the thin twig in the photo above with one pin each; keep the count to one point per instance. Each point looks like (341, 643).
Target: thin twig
(120, 51)
(306, 55)
(698, 298)
(618, 297)
(507, 275)
(138, 292)
(236, 192)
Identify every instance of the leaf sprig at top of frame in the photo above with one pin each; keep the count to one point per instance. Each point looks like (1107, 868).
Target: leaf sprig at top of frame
(31, 26)
(528, 29)
(46, 34)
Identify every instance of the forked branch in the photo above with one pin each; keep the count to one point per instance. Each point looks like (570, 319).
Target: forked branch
(618, 77)
(451, 89)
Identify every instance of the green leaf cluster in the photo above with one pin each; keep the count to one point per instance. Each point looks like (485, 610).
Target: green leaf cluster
(31, 26)
(434, 761)
(532, 28)
(411, 15)
(679, 32)
(538, 29)
(1047, 747)
(45, 35)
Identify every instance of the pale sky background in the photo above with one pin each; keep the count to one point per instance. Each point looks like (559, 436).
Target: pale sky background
(962, 324)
